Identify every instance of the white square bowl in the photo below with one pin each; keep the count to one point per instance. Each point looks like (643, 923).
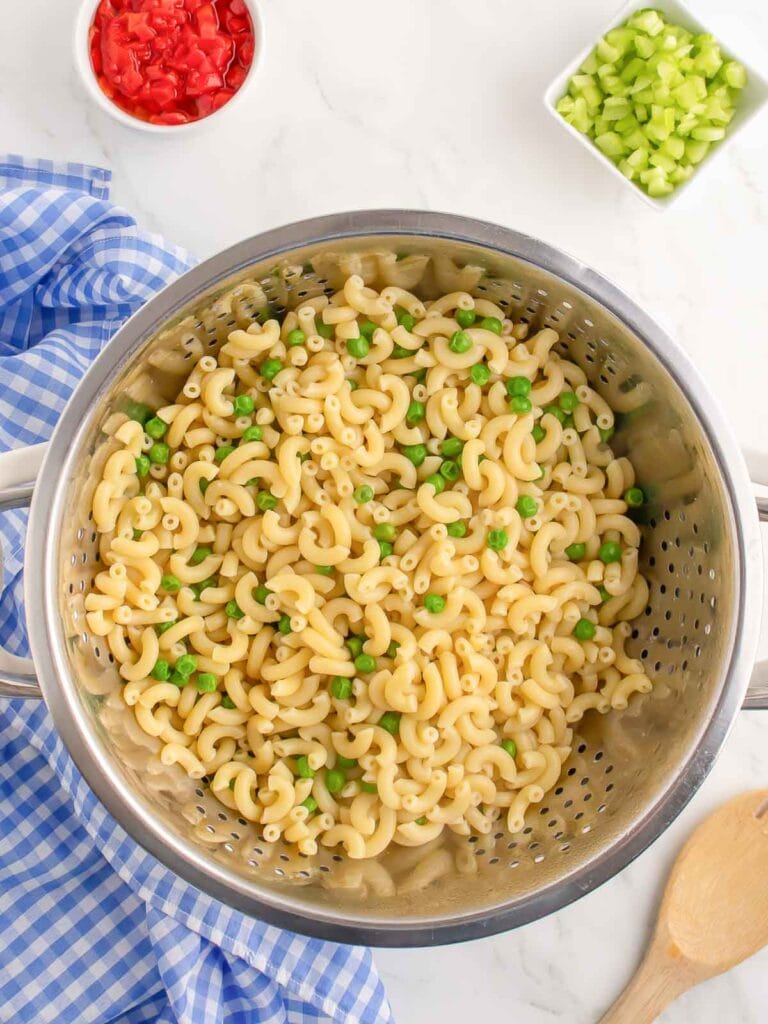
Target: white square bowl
(751, 99)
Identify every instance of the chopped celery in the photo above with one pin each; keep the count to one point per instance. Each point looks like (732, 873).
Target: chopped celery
(653, 97)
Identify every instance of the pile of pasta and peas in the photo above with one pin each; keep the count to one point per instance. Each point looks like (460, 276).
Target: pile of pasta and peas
(372, 566)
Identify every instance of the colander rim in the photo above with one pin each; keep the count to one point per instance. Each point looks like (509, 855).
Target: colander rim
(281, 906)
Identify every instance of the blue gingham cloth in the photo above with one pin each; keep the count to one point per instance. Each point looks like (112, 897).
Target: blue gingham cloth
(92, 929)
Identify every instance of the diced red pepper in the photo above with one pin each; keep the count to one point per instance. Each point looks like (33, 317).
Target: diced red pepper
(171, 61)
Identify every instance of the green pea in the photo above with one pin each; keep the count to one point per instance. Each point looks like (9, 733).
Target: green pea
(567, 401)
(341, 687)
(526, 506)
(261, 593)
(170, 583)
(510, 746)
(137, 411)
(324, 330)
(384, 531)
(422, 820)
(368, 787)
(365, 663)
(243, 405)
(367, 327)
(163, 627)
(363, 494)
(228, 703)
(450, 470)
(604, 595)
(419, 375)
(284, 625)
(199, 555)
(270, 368)
(457, 529)
(385, 549)
(198, 588)
(204, 484)
(186, 665)
(518, 387)
(584, 630)
(576, 552)
(415, 453)
(221, 453)
(391, 651)
(254, 433)
(556, 411)
(405, 319)
(304, 456)
(206, 682)
(310, 803)
(346, 762)
(538, 432)
(142, 465)
(568, 422)
(159, 453)
(451, 447)
(434, 603)
(358, 348)
(324, 570)
(296, 337)
(634, 497)
(437, 481)
(465, 317)
(609, 552)
(265, 501)
(233, 610)
(161, 670)
(355, 644)
(520, 405)
(415, 413)
(399, 352)
(335, 780)
(479, 374)
(491, 323)
(390, 722)
(136, 534)
(303, 769)
(497, 540)
(178, 679)
(607, 434)
(460, 342)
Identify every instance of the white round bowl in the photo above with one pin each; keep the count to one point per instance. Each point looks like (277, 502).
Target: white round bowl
(83, 64)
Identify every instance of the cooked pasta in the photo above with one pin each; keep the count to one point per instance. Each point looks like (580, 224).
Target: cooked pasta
(368, 570)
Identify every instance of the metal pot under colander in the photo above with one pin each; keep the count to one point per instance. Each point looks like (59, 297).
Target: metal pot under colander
(630, 773)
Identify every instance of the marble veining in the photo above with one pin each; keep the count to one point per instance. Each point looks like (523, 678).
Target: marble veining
(414, 103)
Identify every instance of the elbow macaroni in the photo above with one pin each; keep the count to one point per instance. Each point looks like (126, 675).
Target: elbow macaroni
(356, 642)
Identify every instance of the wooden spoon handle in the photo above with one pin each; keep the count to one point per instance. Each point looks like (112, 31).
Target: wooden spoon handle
(658, 982)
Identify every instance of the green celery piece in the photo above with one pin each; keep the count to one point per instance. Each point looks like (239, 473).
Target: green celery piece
(564, 105)
(601, 125)
(611, 144)
(704, 40)
(708, 133)
(621, 38)
(641, 112)
(681, 173)
(606, 52)
(581, 119)
(685, 95)
(648, 21)
(695, 151)
(657, 189)
(626, 124)
(663, 160)
(646, 96)
(674, 147)
(735, 74)
(641, 82)
(590, 65)
(594, 97)
(606, 71)
(632, 70)
(627, 169)
(708, 61)
(686, 124)
(614, 86)
(644, 47)
(699, 84)
(616, 107)
(638, 159)
(636, 139)
(716, 112)
(682, 52)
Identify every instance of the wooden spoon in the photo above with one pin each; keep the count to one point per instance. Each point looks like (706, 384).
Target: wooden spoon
(714, 913)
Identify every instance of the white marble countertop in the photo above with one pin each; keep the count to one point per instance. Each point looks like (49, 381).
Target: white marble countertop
(416, 103)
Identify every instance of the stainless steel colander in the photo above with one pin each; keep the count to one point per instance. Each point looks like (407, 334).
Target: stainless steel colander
(631, 772)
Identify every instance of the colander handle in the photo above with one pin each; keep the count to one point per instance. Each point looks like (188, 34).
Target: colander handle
(757, 694)
(18, 472)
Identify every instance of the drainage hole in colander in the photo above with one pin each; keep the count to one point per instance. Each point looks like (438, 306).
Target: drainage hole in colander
(568, 803)
(608, 769)
(514, 863)
(609, 787)
(601, 808)
(527, 830)
(565, 847)
(559, 791)
(473, 839)
(668, 614)
(584, 781)
(578, 815)
(571, 771)
(533, 846)
(512, 845)
(235, 835)
(587, 797)
(221, 816)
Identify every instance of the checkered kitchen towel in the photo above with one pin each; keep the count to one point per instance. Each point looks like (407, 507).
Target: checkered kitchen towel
(92, 929)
